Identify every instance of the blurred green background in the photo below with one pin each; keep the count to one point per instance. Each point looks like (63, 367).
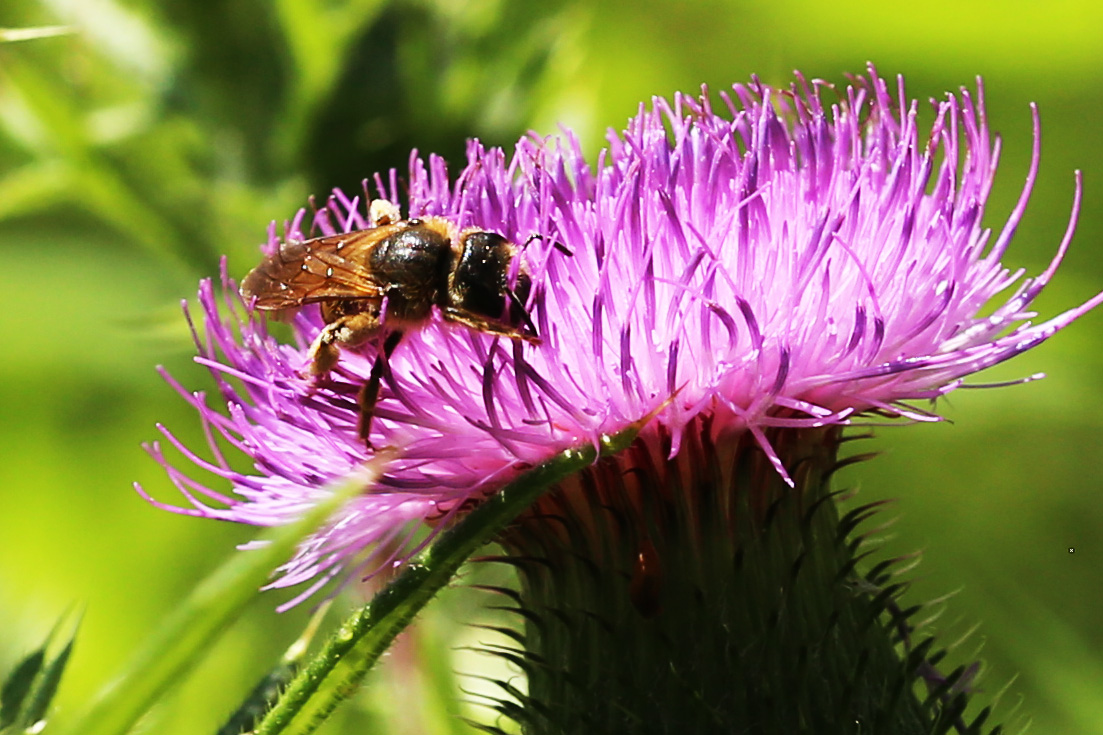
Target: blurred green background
(158, 136)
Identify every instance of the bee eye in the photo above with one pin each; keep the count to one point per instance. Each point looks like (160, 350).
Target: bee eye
(415, 222)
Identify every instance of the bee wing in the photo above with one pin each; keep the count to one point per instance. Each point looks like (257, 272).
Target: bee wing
(325, 268)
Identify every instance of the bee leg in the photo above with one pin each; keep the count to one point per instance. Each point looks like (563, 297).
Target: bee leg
(351, 330)
(369, 392)
(467, 319)
(515, 300)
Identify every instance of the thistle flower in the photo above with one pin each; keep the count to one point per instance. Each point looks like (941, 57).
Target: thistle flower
(789, 261)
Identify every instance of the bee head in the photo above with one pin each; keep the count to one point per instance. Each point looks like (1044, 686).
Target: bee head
(480, 283)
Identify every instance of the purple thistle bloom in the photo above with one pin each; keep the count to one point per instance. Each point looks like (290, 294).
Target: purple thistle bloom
(788, 261)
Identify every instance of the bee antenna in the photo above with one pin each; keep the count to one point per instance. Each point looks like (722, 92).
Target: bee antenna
(555, 244)
(563, 249)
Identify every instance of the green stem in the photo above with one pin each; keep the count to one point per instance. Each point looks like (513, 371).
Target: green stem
(338, 669)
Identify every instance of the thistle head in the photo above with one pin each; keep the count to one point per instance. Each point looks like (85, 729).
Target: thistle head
(788, 258)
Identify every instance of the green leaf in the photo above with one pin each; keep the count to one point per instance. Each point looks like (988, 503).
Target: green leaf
(18, 685)
(46, 686)
(26, 694)
(187, 634)
(337, 670)
(93, 181)
(34, 187)
(260, 699)
(10, 35)
(303, 23)
(268, 689)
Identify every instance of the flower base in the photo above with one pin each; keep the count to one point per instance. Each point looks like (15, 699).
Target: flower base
(702, 594)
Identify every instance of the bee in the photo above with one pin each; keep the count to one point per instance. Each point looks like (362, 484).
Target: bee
(383, 282)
